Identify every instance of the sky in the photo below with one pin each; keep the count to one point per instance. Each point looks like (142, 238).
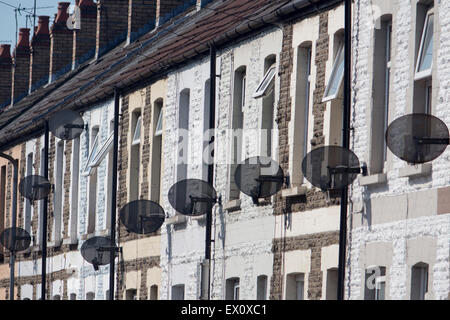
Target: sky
(8, 21)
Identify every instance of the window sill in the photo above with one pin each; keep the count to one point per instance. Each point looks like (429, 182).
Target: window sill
(55, 244)
(232, 205)
(87, 236)
(413, 171)
(294, 192)
(70, 241)
(37, 248)
(199, 218)
(176, 219)
(373, 179)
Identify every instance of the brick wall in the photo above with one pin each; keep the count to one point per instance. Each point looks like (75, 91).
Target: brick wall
(84, 38)
(61, 41)
(140, 12)
(21, 68)
(5, 73)
(40, 53)
(112, 21)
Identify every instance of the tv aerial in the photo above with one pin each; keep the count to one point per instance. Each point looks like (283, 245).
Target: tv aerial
(142, 216)
(332, 167)
(192, 197)
(34, 187)
(67, 125)
(259, 177)
(15, 239)
(417, 138)
(98, 250)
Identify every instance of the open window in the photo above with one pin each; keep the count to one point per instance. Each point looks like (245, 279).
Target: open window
(156, 155)
(159, 128)
(267, 84)
(137, 132)
(337, 76)
(423, 90)
(425, 57)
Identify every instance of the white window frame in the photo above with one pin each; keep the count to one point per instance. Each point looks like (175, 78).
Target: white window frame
(300, 278)
(236, 289)
(267, 84)
(387, 84)
(378, 281)
(94, 160)
(428, 72)
(159, 127)
(340, 55)
(137, 132)
(243, 84)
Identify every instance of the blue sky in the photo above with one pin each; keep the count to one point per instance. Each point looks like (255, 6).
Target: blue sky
(7, 16)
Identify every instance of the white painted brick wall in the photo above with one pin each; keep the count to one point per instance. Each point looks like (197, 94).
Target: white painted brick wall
(399, 232)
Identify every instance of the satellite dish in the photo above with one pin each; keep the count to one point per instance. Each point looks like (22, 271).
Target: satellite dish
(142, 216)
(15, 239)
(417, 138)
(192, 197)
(34, 187)
(66, 125)
(259, 177)
(97, 251)
(331, 167)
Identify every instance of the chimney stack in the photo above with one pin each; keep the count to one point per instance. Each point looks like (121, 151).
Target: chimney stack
(5, 73)
(84, 38)
(164, 7)
(140, 12)
(21, 65)
(112, 21)
(40, 54)
(61, 41)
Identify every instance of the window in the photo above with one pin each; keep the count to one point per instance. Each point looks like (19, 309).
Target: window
(332, 281)
(337, 75)
(131, 294)
(375, 283)
(423, 91)
(178, 292)
(137, 132)
(135, 156)
(268, 103)
(295, 286)
(28, 207)
(261, 288)
(159, 127)
(381, 93)
(109, 179)
(267, 84)
(232, 289)
(419, 281)
(208, 138)
(155, 188)
(58, 193)
(92, 202)
(154, 292)
(73, 296)
(183, 135)
(237, 126)
(57, 297)
(90, 296)
(301, 111)
(74, 180)
(425, 57)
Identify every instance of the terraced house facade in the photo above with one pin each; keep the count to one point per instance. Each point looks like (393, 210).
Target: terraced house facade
(278, 93)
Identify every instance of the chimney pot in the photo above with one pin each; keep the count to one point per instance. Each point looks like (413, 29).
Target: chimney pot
(84, 3)
(24, 38)
(5, 53)
(42, 28)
